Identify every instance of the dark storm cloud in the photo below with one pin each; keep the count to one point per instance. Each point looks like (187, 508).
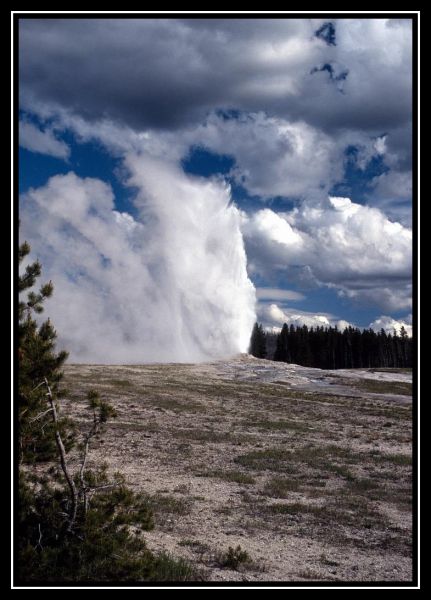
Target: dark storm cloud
(166, 73)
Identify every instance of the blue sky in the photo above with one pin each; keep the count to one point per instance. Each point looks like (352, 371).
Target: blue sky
(288, 113)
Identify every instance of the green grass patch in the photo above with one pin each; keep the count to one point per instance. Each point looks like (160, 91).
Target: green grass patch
(390, 370)
(119, 383)
(278, 460)
(402, 388)
(280, 425)
(168, 568)
(233, 476)
(292, 508)
(343, 509)
(167, 504)
(272, 459)
(396, 459)
(340, 471)
(280, 487)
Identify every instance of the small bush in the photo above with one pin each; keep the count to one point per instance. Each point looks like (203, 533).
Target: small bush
(235, 557)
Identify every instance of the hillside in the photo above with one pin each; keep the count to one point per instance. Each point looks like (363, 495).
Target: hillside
(309, 471)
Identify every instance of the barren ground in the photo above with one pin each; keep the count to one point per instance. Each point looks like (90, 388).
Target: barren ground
(309, 471)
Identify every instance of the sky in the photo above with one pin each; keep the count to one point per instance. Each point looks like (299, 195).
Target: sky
(181, 178)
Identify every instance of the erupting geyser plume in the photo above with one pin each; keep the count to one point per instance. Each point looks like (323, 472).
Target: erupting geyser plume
(170, 285)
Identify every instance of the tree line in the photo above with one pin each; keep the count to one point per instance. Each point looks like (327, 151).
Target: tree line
(330, 348)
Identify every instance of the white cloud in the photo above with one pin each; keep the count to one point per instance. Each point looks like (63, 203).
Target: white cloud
(273, 227)
(273, 317)
(389, 325)
(342, 324)
(172, 287)
(33, 139)
(274, 157)
(380, 145)
(344, 245)
(298, 103)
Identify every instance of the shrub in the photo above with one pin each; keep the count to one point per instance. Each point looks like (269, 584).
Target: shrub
(235, 557)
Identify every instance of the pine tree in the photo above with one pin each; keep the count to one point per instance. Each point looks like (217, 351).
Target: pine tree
(329, 348)
(404, 342)
(282, 349)
(257, 346)
(37, 361)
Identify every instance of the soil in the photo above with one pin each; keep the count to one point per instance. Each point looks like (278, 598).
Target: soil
(309, 471)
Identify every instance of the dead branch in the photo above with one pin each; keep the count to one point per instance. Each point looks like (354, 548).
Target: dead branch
(39, 545)
(90, 434)
(38, 386)
(65, 468)
(40, 415)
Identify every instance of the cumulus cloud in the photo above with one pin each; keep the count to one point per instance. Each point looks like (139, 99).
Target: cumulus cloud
(341, 244)
(34, 139)
(171, 286)
(274, 157)
(284, 98)
(273, 317)
(390, 325)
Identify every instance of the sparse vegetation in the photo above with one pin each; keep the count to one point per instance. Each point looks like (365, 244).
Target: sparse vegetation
(234, 558)
(383, 387)
(286, 464)
(281, 487)
(280, 425)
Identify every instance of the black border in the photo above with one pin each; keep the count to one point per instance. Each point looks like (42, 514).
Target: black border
(414, 17)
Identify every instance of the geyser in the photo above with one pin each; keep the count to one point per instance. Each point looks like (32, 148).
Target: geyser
(168, 286)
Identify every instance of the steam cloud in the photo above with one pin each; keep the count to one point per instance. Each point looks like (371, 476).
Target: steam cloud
(169, 286)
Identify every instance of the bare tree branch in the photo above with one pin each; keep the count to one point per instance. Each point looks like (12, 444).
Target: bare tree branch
(39, 545)
(40, 415)
(38, 386)
(65, 469)
(90, 434)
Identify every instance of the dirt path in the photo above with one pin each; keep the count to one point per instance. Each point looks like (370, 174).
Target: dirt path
(309, 471)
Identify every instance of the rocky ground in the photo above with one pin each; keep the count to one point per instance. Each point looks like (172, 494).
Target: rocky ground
(309, 471)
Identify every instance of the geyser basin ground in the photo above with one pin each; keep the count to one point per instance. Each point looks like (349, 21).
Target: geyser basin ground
(308, 470)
